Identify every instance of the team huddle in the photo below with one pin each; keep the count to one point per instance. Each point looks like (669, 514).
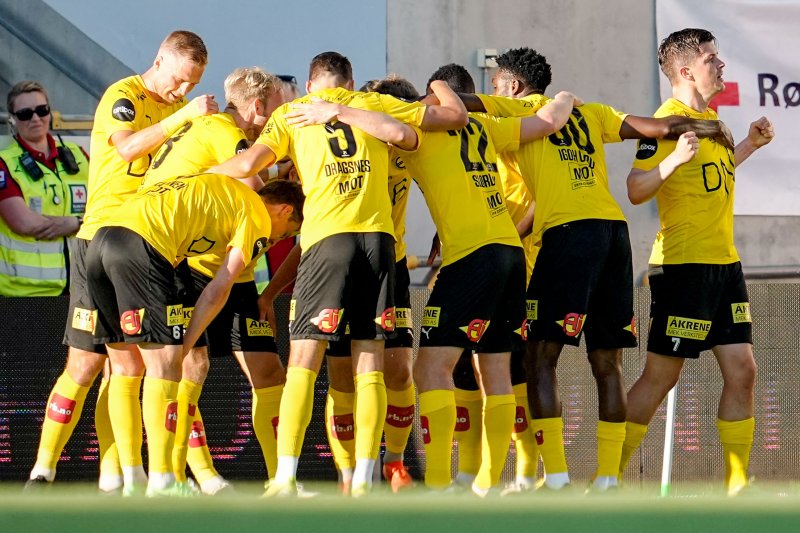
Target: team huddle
(183, 199)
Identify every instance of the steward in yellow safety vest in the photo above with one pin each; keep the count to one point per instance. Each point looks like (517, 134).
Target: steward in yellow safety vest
(55, 186)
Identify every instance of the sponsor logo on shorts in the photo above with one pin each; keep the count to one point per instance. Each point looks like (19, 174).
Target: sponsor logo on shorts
(430, 317)
(647, 148)
(462, 418)
(175, 315)
(741, 313)
(533, 309)
(402, 318)
(426, 432)
(688, 328)
(386, 321)
(572, 324)
(197, 437)
(632, 327)
(399, 417)
(539, 436)
(123, 110)
(292, 307)
(521, 421)
(343, 427)
(522, 331)
(60, 409)
(256, 328)
(187, 316)
(475, 329)
(327, 321)
(84, 320)
(171, 420)
(275, 426)
(131, 321)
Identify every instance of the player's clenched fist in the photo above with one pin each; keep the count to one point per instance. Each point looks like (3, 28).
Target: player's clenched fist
(687, 146)
(761, 132)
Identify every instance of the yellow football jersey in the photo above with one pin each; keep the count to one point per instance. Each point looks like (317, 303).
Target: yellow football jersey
(457, 173)
(344, 171)
(125, 106)
(206, 214)
(399, 185)
(194, 148)
(197, 146)
(518, 197)
(695, 204)
(566, 171)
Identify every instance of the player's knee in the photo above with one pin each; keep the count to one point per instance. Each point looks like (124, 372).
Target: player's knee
(268, 375)
(83, 367)
(743, 375)
(605, 366)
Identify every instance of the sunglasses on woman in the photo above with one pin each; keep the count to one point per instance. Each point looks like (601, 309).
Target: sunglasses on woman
(26, 113)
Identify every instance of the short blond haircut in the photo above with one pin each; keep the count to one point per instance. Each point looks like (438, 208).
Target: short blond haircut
(246, 83)
(27, 86)
(188, 45)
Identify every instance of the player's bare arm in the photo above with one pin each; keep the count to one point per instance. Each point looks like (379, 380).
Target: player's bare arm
(131, 145)
(450, 114)
(247, 163)
(643, 185)
(549, 118)
(213, 297)
(285, 274)
(672, 127)
(379, 125)
(525, 224)
(760, 133)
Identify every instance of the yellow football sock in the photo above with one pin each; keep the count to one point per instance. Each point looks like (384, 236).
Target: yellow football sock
(524, 440)
(297, 403)
(63, 412)
(340, 426)
(437, 409)
(198, 455)
(498, 423)
(370, 414)
(160, 411)
(610, 436)
(550, 437)
(399, 419)
(737, 439)
(469, 407)
(188, 396)
(266, 405)
(634, 435)
(109, 458)
(123, 401)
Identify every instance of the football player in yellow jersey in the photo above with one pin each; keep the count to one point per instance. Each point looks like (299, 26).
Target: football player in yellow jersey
(583, 275)
(699, 295)
(477, 300)
(134, 116)
(130, 269)
(347, 265)
(251, 95)
(398, 355)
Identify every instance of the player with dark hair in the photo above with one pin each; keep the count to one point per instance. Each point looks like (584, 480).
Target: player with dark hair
(699, 295)
(346, 272)
(454, 75)
(583, 276)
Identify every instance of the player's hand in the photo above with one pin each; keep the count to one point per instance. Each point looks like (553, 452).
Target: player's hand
(724, 137)
(576, 101)
(761, 132)
(287, 171)
(266, 311)
(436, 250)
(687, 147)
(317, 112)
(203, 105)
